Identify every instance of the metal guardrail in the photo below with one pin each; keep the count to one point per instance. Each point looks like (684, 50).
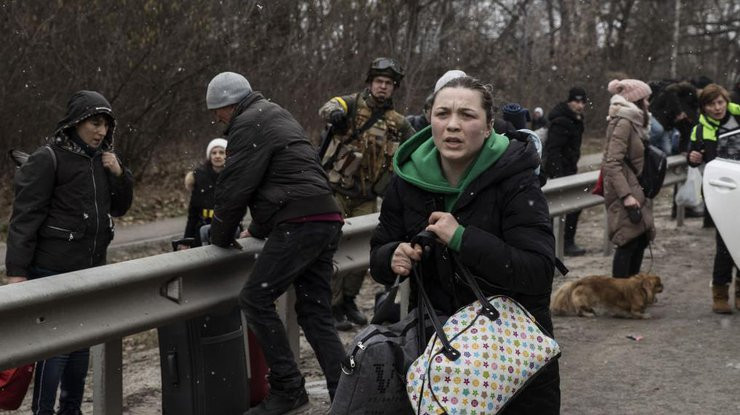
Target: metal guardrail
(99, 306)
(57, 314)
(572, 193)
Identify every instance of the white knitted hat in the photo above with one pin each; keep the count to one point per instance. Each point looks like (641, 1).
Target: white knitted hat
(216, 142)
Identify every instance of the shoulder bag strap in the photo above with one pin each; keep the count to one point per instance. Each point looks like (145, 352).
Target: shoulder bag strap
(53, 157)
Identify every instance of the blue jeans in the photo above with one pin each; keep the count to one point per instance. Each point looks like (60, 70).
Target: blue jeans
(299, 254)
(68, 369)
(661, 138)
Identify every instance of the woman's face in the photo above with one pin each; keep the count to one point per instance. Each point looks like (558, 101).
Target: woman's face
(218, 156)
(716, 109)
(92, 131)
(459, 124)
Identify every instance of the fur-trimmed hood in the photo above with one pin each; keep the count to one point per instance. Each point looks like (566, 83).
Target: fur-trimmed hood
(83, 105)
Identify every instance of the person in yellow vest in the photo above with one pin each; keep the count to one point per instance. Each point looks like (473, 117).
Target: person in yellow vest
(718, 135)
(363, 134)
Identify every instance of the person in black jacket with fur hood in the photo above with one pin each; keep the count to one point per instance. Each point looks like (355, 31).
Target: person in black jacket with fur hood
(273, 169)
(65, 196)
(478, 192)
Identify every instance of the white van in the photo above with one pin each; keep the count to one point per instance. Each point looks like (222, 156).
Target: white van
(722, 196)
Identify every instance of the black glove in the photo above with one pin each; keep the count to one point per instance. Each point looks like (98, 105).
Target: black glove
(634, 213)
(338, 119)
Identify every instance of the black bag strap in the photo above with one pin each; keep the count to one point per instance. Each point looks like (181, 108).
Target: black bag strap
(53, 156)
(629, 163)
(426, 240)
(386, 307)
(421, 327)
(487, 308)
(561, 267)
(450, 352)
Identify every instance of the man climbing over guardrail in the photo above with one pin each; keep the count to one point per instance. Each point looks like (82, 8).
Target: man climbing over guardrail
(272, 168)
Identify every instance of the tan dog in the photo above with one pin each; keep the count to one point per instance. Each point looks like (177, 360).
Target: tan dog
(621, 297)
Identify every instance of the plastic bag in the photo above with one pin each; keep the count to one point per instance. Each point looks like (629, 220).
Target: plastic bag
(689, 193)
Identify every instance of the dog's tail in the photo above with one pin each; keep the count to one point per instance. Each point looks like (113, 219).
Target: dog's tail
(561, 303)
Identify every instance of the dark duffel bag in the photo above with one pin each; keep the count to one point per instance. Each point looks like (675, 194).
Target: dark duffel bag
(373, 380)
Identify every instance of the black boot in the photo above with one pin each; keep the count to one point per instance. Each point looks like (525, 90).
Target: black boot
(571, 249)
(352, 312)
(281, 403)
(340, 320)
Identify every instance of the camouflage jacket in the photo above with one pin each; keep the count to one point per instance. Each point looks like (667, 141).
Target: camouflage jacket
(359, 163)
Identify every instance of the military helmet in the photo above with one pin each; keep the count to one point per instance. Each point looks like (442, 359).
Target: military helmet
(385, 67)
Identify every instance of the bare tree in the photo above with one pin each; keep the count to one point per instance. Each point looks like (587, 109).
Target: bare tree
(153, 58)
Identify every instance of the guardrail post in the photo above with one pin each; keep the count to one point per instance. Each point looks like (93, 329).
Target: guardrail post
(558, 223)
(680, 215)
(107, 363)
(286, 310)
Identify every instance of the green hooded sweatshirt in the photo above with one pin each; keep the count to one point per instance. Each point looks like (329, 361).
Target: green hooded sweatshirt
(417, 162)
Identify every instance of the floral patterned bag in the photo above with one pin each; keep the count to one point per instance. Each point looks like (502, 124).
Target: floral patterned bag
(483, 356)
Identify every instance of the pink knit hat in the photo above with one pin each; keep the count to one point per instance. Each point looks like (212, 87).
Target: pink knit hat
(632, 90)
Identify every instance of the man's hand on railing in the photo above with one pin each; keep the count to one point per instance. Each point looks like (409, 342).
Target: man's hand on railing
(15, 280)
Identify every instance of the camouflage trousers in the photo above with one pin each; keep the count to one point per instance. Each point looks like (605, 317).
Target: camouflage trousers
(349, 285)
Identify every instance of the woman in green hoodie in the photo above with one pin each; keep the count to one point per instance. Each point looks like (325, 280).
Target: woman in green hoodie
(478, 192)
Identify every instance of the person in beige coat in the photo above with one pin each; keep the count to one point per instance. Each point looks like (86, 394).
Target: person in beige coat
(629, 213)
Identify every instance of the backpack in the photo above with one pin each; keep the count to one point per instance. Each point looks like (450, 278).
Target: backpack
(528, 136)
(20, 157)
(655, 164)
(373, 380)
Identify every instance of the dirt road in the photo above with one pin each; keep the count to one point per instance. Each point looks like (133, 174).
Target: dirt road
(687, 362)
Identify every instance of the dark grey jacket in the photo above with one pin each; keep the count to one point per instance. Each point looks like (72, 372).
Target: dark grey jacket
(61, 217)
(272, 168)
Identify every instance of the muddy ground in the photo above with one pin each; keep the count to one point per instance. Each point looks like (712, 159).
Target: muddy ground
(687, 361)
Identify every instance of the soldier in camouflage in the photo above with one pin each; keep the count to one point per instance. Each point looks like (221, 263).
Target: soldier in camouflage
(364, 133)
